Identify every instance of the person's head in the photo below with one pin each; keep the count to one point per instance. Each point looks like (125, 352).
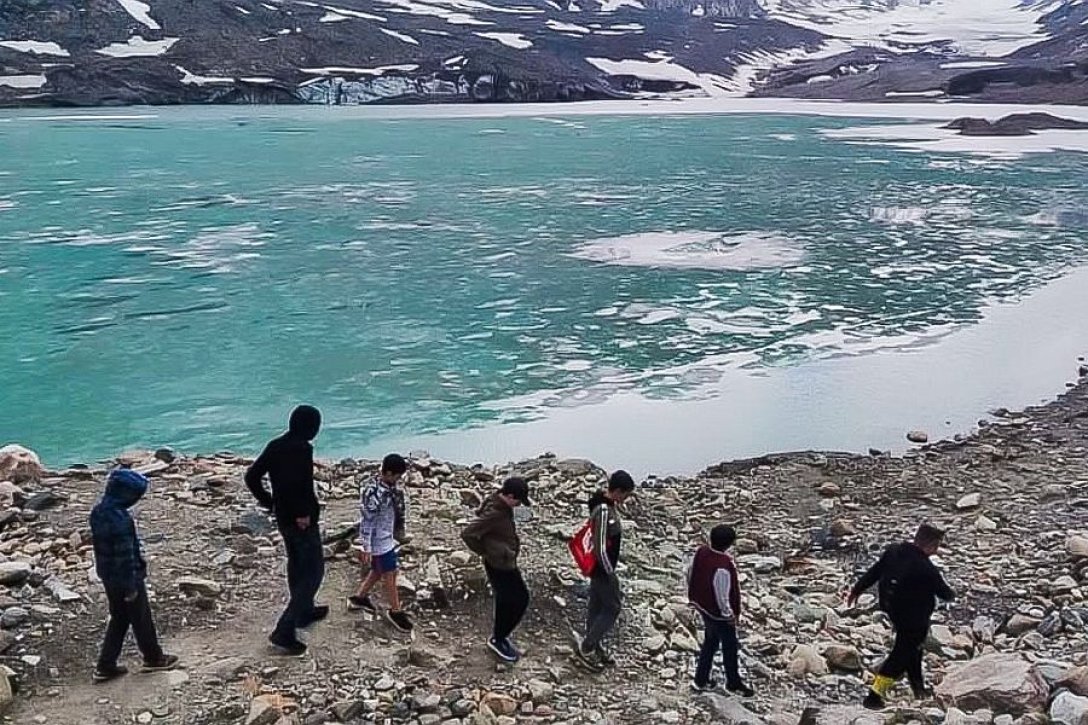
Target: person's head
(515, 491)
(722, 537)
(928, 538)
(393, 467)
(620, 486)
(305, 422)
(125, 486)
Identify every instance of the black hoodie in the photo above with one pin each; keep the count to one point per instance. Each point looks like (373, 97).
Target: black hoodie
(289, 463)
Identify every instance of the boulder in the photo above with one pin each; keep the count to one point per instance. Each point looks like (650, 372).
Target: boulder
(840, 715)
(805, 660)
(13, 573)
(1003, 683)
(1069, 709)
(10, 494)
(728, 711)
(20, 465)
(1076, 681)
(842, 657)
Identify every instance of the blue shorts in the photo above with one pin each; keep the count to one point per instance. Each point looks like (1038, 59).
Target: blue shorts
(385, 563)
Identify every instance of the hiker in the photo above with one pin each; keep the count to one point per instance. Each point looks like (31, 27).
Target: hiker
(908, 585)
(494, 537)
(714, 590)
(605, 596)
(120, 565)
(378, 505)
(288, 461)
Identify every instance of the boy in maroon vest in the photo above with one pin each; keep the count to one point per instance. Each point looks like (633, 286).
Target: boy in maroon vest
(714, 590)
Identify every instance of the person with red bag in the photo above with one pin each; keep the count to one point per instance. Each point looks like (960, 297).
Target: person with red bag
(714, 590)
(605, 595)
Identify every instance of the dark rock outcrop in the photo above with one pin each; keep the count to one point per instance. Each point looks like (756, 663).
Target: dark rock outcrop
(1016, 124)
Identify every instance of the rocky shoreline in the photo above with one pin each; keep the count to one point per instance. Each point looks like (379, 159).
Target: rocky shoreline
(1012, 648)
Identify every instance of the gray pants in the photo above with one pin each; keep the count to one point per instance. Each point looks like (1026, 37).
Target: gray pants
(605, 602)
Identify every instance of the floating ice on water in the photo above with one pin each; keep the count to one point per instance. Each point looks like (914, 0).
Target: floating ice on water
(694, 250)
(897, 214)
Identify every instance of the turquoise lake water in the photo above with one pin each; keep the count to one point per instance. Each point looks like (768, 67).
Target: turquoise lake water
(184, 277)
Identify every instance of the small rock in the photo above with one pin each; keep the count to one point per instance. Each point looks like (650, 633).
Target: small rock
(263, 711)
(842, 657)
(14, 572)
(970, 501)
(1077, 546)
(805, 660)
(829, 489)
(20, 465)
(196, 585)
(917, 436)
(13, 617)
(1005, 683)
(1069, 709)
(1018, 624)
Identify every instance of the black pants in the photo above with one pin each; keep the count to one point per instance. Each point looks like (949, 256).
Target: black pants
(511, 599)
(305, 570)
(722, 635)
(135, 614)
(605, 603)
(906, 655)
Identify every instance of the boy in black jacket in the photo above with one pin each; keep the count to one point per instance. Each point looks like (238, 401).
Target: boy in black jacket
(908, 585)
(120, 565)
(289, 463)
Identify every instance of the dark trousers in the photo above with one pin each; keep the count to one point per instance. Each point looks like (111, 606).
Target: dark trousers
(906, 655)
(605, 603)
(305, 570)
(511, 599)
(722, 635)
(135, 614)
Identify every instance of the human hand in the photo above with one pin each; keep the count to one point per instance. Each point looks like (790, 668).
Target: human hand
(302, 522)
(364, 558)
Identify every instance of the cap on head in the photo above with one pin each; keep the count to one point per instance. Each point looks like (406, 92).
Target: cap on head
(394, 463)
(517, 488)
(928, 536)
(305, 422)
(621, 481)
(722, 537)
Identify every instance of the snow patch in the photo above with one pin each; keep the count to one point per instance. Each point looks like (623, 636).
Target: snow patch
(23, 81)
(399, 36)
(561, 27)
(331, 17)
(513, 40)
(609, 6)
(37, 47)
(934, 139)
(138, 47)
(354, 14)
(973, 64)
(141, 12)
(380, 70)
(662, 70)
(932, 93)
(192, 79)
(450, 16)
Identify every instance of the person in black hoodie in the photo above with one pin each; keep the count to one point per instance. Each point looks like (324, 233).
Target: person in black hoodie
(605, 595)
(288, 461)
(494, 537)
(908, 585)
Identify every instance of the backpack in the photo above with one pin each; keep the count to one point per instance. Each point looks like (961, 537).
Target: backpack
(581, 548)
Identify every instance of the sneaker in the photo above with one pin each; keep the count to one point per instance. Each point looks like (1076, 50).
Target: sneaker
(502, 648)
(356, 603)
(605, 657)
(710, 685)
(513, 647)
(166, 662)
(873, 701)
(105, 674)
(921, 692)
(586, 657)
(741, 689)
(318, 613)
(289, 648)
(399, 620)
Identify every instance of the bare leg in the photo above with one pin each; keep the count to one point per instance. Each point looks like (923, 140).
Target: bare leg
(368, 583)
(389, 581)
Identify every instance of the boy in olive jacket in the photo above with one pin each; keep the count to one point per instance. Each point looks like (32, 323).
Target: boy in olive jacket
(494, 537)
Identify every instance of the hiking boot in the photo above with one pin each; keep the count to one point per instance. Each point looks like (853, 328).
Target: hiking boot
(399, 620)
(105, 674)
(288, 647)
(321, 611)
(163, 663)
(873, 701)
(503, 649)
(710, 685)
(741, 689)
(356, 603)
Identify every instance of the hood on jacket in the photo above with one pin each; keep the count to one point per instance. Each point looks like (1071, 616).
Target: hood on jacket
(305, 422)
(493, 503)
(597, 499)
(125, 486)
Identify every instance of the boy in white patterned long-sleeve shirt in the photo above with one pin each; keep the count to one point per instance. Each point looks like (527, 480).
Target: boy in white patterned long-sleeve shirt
(378, 504)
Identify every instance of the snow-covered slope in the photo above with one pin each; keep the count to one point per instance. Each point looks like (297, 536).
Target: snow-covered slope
(75, 52)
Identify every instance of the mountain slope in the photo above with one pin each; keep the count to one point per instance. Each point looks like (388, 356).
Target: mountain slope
(94, 52)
